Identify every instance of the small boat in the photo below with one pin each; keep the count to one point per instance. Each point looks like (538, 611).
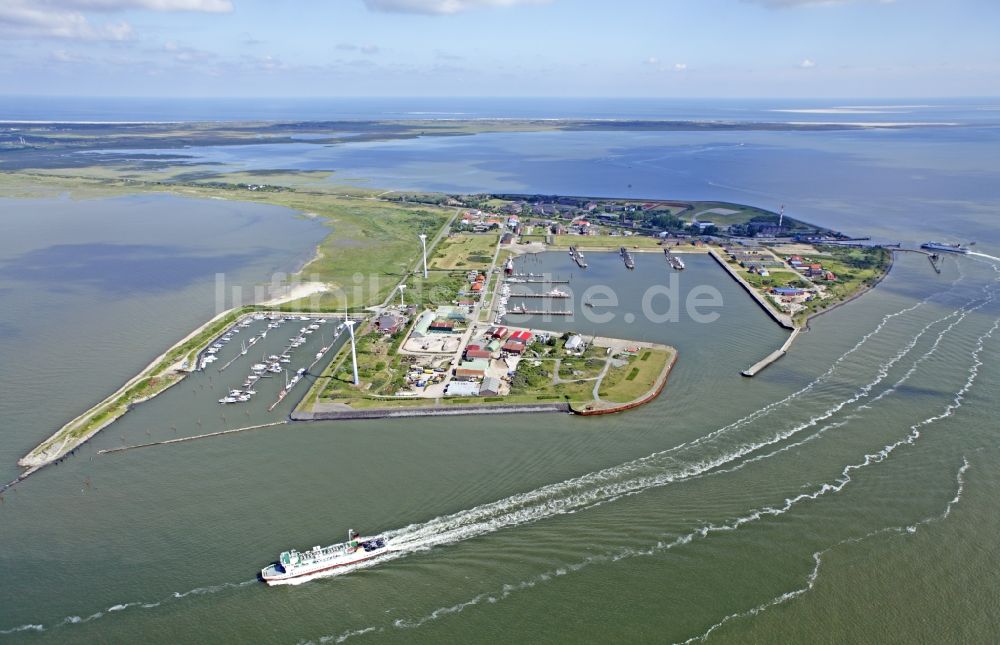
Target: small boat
(227, 399)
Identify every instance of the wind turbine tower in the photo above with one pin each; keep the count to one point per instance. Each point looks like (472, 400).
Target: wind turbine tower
(781, 216)
(354, 356)
(402, 288)
(423, 242)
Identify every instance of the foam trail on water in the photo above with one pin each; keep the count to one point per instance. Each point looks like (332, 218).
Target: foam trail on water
(702, 532)
(813, 576)
(573, 494)
(79, 620)
(491, 517)
(825, 489)
(201, 591)
(883, 372)
(23, 628)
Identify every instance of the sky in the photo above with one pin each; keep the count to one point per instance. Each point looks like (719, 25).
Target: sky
(500, 48)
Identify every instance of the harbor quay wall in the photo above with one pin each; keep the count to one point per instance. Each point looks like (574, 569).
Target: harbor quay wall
(781, 319)
(393, 413)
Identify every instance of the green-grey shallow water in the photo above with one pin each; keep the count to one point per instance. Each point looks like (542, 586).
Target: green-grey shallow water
(643, 526)
(846, 494)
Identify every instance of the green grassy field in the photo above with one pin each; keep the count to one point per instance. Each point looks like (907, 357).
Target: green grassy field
(636, 378)
(465, 251)
(774, 279)
(856, 269)
(605, 241)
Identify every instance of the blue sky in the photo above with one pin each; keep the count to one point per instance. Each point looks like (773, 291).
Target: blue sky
(666, 48)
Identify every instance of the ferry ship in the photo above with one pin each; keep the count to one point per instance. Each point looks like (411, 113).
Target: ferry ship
(292, 565)
(947, 248)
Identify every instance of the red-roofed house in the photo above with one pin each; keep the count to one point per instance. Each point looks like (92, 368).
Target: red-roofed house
(521, 336)
(513, 347)
(473, 352)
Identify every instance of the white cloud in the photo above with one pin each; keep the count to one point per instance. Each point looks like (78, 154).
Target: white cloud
(652, 60)
(680, 67)
(808, 63)
(23, 19)
(441, 7)
(65, 18)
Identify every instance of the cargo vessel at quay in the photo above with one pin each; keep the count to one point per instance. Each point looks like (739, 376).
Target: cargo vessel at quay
(293, 565)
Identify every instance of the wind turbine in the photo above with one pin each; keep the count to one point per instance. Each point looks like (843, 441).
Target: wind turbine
(423, 242)
(402, 288)
(354, 356)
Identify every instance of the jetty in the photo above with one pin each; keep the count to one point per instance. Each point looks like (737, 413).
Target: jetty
(539, 312)
(627, 258)
(535, 278)
(673, 260)
(108, 451)
(560, 294)
(755, 369)
(782, 319)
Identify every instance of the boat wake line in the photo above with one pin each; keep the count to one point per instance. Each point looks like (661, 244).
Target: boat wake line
(80, 620)
(657, 470)
(836, 486)
(600, 487)
(984, 255)
(817, 557)
(509, 589)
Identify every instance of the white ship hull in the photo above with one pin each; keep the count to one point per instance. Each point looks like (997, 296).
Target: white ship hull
(294, 567)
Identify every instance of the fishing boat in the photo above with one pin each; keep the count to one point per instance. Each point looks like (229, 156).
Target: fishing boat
(292, 565)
